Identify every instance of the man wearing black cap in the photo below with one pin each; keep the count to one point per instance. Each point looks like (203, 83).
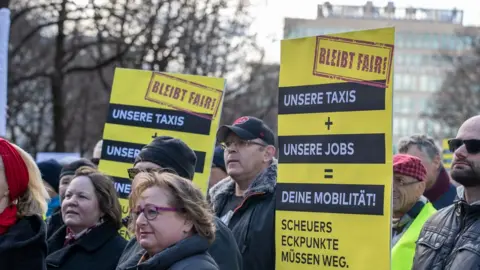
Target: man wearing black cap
(170, 153)
(55, 221)
(245, 200)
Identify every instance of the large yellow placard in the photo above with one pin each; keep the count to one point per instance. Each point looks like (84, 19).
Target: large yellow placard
(335, 152)
(144, 105)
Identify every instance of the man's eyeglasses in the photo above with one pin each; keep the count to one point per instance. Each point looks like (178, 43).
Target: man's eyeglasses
(151, 211)
(472, 146)
(132, 172)
(240, 143)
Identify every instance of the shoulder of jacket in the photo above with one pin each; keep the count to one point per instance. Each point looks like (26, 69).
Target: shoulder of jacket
(201, 261)
(440, 215)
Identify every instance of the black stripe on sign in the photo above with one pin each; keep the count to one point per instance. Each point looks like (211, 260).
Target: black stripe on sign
(351, 148)
(336, 97)
(126, 152)
(157, 118)
(123, 186)
(331, 198)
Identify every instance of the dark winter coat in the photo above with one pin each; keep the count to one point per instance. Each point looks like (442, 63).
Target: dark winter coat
(224, 250)
(188, 254)
(24, 245)
(99, 249)
(450, 239)
(54, 222)
(253, 222)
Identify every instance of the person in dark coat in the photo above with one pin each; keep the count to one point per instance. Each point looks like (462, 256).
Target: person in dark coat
(449, 239)
(439, 190)
(245, 200)
(55, 222)
(23, 202)
(92, 215)
(173, 224)
(174, 154)
(50, 170)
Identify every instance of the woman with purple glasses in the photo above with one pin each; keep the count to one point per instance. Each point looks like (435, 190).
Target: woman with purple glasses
(172, 222)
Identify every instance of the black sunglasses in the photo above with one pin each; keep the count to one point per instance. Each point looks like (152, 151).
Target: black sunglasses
(132, 172)
(472, 146)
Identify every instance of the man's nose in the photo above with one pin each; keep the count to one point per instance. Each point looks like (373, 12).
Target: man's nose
(232, 148)
(461, 152)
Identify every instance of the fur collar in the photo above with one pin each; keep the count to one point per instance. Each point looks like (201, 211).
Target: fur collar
(265, 182)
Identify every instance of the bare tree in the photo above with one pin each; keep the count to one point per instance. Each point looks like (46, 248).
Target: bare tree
(63, 56)
(63, 27)
(258, 97)
(459, 96)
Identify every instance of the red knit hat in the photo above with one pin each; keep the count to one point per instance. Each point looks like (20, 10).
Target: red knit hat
(410, 166)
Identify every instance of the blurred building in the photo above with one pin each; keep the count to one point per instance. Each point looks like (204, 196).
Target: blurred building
(422, 36)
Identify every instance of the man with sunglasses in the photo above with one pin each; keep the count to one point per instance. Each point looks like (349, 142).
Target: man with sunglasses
(450, 239)
(245, 200)
(439, 189)
(173, 155)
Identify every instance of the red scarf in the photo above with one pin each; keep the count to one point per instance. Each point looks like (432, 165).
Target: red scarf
(16, 173)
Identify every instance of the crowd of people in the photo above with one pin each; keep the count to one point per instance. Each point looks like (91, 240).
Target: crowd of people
(68, 216)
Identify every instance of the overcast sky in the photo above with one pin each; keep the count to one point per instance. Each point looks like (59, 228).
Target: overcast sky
(270, 14)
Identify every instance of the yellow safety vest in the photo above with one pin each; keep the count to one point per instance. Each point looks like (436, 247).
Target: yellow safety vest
(404, 250)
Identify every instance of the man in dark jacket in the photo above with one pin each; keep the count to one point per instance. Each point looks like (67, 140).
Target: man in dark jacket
(50, 170)
(450, 238)
(245, 200)
(174, 154)
(439, 190)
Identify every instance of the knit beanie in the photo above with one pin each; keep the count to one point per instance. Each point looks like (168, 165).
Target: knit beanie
(218, 158)
(168, 152)
(50, 170)
(70, 168)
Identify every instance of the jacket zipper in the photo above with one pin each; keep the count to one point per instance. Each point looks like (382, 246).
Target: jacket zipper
(245, 199)
(244, 246)
(459, 234)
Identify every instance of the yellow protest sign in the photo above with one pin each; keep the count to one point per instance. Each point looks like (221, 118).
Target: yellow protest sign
(447, 156)
(146, 104)
(333, 205)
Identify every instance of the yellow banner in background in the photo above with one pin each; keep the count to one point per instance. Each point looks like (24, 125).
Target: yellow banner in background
(447, 156)
(144, 105)
(333, 205)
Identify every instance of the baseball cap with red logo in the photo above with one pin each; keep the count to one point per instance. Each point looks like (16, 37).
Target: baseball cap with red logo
(247, 128)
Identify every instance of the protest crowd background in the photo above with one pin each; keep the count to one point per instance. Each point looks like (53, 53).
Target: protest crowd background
(149, 135)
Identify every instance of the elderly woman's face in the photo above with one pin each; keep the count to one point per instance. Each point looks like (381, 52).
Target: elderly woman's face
(406, 191)
(80, 207)
(166, 229)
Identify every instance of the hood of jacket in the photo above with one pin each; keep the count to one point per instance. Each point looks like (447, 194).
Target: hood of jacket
(265, 182)
(28, 231)
(184, 249)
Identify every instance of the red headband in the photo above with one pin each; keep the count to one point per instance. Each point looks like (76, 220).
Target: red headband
(15, 170)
